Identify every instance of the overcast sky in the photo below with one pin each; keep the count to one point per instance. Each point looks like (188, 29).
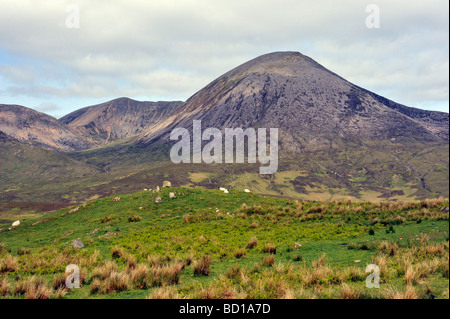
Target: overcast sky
(167, 50)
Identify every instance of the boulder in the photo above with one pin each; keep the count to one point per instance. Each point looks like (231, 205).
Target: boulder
(167, 184)
(171, 195)
(77, 243)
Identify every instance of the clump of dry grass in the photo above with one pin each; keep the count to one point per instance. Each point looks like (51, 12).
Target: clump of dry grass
(270, 248)
(252, 243)
(154, 260)
(202, 267)
(388, 248)
(166, 292)
(118, 253)
(188, 219)
(139, 276)
(268, 261)
(9, 264)
(96, 286)
(393, 293)
(240, 253)
(5, 287)
(116, 282)
(33, 288)
(104, 271)
(348, 292)
(134, 219)
(131, 262)
(319, 262)
(166, 275)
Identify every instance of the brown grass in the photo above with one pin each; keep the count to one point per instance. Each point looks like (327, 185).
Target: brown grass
(166, 292)
(252, 243)
(268, 261)
(240, 253)
(202, 267)
(270, 248)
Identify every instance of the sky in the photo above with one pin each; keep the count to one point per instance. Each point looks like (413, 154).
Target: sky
(57, 56)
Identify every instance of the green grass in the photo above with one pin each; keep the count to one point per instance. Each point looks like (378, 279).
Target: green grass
(199, 223)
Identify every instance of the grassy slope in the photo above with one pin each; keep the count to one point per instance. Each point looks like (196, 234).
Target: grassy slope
(209, 222)
(370, 171)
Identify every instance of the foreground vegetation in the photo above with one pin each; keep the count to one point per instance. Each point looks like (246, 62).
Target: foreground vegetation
(208, 244)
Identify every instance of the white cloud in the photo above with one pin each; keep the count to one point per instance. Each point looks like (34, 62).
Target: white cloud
(171, 49)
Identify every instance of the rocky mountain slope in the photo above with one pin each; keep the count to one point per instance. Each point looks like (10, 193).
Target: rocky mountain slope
(313, 108)
(85, 128)
(118, 119)
(26, 125)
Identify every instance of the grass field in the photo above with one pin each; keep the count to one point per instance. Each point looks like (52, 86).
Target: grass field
(208, 244)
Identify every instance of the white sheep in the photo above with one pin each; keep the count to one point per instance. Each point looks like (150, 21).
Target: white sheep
(16, 223)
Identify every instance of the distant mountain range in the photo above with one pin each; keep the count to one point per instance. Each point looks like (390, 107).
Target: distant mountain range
(335, 137)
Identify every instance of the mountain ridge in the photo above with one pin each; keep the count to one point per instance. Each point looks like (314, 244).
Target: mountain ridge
(310, 103)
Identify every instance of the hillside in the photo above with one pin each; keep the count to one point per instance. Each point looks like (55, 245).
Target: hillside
(39, 129)
(206, 244)
(337, 140)
(118, 119)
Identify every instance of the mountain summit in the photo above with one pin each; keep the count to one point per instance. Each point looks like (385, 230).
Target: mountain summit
(313, 107)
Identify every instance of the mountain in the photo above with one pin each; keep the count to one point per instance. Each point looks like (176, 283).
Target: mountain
(26, 125)
(85, 128)
(337, 141)
(118, 119)
(313, 108)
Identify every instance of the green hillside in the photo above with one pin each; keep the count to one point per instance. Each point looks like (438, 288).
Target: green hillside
(209, 244)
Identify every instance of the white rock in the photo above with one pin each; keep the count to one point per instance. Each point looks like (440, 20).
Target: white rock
(226, 191)
(246, 190)
(16, 223)
(167, 184)
(158, 200)
(222, 189)
(171, 195)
